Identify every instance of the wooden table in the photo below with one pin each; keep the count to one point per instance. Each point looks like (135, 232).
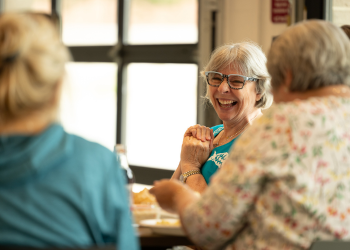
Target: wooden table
(150, 240)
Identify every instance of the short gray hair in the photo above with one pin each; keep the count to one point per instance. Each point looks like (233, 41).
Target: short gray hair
(247, 58)
(316, 52)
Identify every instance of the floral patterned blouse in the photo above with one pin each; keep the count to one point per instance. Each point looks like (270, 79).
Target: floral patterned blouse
(285, 183)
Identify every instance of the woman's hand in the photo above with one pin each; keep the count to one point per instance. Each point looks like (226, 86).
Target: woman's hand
(194, 153)
(172, 195)
(202, 133)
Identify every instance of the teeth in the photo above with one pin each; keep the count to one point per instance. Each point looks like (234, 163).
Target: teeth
(225, 102)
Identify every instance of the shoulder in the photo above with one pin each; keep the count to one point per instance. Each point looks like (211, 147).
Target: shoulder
(86, 155)
(267, 135)
(82, 145)
(217, 129)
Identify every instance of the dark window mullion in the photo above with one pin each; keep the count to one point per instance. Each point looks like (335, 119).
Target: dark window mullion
(91, 53)
(147, 176)
(56, 11)
(121, 9)
(182, 53)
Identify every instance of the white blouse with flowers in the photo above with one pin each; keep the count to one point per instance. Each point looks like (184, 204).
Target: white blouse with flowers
(285, 183)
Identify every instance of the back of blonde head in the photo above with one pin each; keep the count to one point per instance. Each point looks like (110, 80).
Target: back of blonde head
(32, 60)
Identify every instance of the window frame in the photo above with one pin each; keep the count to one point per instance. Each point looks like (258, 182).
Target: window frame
(123, 54)
(159, 53)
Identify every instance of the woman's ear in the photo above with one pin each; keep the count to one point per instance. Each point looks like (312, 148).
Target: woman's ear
(258, 97)
(283, 92)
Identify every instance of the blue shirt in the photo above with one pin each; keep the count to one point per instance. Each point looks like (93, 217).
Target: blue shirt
(57, 189)
(217, 156)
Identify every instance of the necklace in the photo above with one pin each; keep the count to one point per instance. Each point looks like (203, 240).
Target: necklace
(232, 136)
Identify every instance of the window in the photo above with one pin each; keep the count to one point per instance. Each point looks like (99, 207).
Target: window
(160, 104)
(134, 79)
(89, 22)
(43, 6)
(162, 22)
(157, 82)
(88, 102)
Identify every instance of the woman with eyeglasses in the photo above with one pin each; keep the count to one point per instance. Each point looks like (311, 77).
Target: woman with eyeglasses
(238, 88)
(286, 182)
(56, 189)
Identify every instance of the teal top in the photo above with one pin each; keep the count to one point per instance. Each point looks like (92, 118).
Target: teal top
(217, 156)
(57, 189)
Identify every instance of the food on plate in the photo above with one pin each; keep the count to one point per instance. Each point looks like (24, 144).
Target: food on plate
(144, 197)
(144, 206)
(168, 222)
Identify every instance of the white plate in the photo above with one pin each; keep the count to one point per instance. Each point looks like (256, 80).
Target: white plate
(163, 229)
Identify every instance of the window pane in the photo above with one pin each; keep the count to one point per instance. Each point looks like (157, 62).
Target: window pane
(43, 6)
(161, 103)
(89, 22)
(163, 21)
(341, 12)
(88, 103)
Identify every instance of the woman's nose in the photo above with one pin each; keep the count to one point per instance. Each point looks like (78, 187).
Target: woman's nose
(224, 88)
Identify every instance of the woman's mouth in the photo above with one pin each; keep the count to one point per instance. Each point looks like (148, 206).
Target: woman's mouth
(226, 103)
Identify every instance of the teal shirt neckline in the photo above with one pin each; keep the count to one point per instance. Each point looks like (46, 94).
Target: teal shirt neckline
(217, 156)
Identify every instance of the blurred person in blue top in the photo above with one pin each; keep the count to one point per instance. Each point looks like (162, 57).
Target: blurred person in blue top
(238, 87)
(56, 189)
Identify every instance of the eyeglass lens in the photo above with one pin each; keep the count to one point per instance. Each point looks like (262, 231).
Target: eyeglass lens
(236, 82)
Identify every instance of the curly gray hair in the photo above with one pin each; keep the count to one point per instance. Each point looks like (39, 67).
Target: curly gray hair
(316, 52)
(247, 58)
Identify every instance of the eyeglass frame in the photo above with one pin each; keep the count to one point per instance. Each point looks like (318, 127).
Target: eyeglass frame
(246, 78)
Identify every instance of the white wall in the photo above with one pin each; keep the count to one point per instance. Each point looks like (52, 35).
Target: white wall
(248, 20)
(341, 12)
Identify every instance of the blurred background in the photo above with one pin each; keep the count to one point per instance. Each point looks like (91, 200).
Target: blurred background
(134, 77)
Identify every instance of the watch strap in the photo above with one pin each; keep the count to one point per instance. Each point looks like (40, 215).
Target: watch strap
(189, 173)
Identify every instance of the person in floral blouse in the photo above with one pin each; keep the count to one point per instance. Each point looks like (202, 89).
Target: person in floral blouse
(286, 182)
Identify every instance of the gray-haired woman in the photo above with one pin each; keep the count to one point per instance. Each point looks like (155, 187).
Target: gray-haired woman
(286, 181)
(238, 88)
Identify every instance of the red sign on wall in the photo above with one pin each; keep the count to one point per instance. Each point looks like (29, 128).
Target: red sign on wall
(279, 11)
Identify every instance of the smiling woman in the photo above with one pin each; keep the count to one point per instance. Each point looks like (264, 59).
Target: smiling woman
(238, 89)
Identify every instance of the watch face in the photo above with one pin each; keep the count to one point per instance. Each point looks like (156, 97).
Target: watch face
(182, 178)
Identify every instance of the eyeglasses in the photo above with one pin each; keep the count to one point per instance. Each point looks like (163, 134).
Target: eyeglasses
(234, 81)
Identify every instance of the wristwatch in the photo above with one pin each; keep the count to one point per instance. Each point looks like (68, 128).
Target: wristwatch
(185, 175)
